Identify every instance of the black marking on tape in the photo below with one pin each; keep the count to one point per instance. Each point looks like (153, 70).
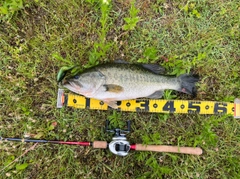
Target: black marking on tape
(220, 108)
(144, 105)
(194, 107)
(119, 103)
(65, 99)
(169, 106)
(88, 102)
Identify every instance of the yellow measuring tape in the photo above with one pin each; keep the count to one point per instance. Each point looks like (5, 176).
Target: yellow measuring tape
(152, 105)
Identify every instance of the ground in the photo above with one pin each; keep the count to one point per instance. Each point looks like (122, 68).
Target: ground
(39, 37)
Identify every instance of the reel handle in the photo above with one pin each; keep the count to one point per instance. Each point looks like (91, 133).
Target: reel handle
(166, 148)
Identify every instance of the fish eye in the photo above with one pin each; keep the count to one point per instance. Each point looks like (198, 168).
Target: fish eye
(76, 77)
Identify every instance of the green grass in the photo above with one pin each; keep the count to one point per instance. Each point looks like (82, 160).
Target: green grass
(38, 37)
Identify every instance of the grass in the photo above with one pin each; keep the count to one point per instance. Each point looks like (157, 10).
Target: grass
(38, 37)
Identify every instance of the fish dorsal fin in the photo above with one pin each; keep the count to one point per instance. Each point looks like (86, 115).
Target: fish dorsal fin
(113, 88)
(155, 68)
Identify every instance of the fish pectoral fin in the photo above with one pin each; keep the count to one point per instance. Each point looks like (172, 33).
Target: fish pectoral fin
(156, 94)
(155, 68)
(113, 88)
(112, 104)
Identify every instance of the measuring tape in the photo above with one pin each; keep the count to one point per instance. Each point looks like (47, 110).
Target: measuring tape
(152, 105)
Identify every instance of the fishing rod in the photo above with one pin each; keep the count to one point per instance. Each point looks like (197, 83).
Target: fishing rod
(119, 144)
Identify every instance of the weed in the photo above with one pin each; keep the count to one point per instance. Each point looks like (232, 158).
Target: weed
(191, 10)
(131, 22)
(114, 120)
(151, 138)
(10, 7)
(149, 54)
(101, 47)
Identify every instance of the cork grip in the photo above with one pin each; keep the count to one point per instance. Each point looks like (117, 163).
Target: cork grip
(173, 149)
(100, 144)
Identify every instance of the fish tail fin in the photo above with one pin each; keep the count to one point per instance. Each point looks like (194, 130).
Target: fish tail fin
(187, 84)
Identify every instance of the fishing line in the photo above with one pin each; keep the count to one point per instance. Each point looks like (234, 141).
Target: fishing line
(152, 105)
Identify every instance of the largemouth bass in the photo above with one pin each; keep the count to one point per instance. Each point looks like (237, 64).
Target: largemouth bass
(114, 82)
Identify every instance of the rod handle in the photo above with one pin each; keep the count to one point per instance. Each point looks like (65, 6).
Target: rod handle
(100, 144)
(172, 149)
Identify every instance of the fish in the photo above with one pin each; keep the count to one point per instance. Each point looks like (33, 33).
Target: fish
(112, 82)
